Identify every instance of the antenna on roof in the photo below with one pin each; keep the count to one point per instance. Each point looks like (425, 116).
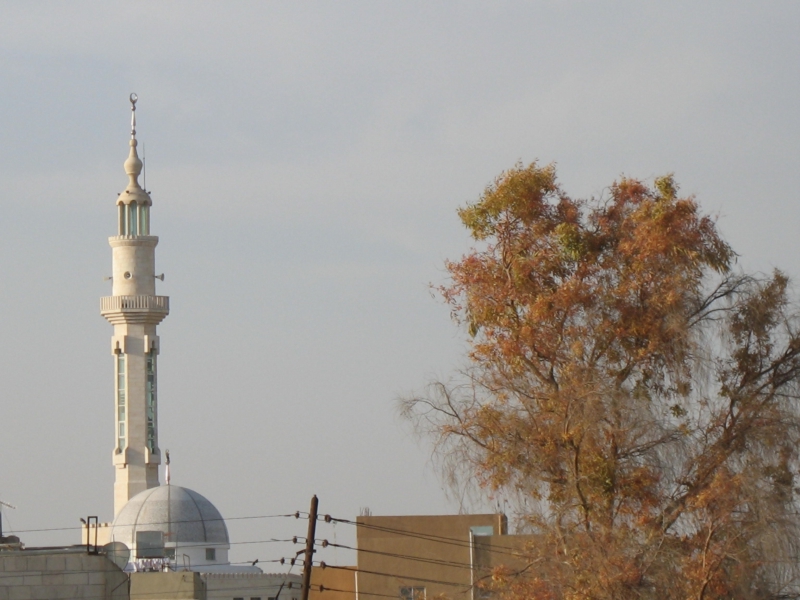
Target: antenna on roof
(2, 504)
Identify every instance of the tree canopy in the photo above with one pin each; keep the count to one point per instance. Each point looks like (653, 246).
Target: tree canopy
(630, 387)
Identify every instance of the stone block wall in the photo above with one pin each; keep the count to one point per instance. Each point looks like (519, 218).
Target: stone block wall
(45, 574)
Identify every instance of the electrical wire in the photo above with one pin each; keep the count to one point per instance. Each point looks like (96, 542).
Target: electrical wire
(21, 554)
(324, 588)
(296, 515)
(434, 561)
(412, 578)
(461, 543)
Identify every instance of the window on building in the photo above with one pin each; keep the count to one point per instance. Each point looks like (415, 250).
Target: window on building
(211, 554)
(412, 593)
(481, 530)
(145, 220)
(238, 599)
(132, 220)
(149, 544)
(120, 401)
(150, 393)
(121, 227)
(255, 598)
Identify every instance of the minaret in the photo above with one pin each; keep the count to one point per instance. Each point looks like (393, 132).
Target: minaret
(134, 310)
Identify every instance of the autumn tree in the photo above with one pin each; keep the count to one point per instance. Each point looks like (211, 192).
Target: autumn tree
(633, 390)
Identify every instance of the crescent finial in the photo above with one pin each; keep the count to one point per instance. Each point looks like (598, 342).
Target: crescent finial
(133, 98)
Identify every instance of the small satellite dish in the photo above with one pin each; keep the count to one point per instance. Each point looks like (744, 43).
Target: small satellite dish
(118, 553)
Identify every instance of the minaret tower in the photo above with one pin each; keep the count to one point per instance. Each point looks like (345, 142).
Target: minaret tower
(134, 310)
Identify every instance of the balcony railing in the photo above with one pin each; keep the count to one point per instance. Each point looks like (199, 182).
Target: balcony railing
(134, 303)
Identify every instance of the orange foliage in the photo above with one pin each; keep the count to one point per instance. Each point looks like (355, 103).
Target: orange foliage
(630, 383)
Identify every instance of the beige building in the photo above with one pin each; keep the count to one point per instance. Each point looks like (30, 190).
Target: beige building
(251, 586)
(187, 585)
(53, 573)
(333, 584)
(416, 557)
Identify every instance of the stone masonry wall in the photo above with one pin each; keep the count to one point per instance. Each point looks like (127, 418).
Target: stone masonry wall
(60, 573)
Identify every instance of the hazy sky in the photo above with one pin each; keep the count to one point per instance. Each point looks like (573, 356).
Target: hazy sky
(306, 160)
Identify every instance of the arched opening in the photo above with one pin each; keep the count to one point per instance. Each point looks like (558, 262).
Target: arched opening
(121, 227)
(133, 218)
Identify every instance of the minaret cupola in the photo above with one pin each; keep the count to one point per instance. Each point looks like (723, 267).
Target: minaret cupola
(134, 203)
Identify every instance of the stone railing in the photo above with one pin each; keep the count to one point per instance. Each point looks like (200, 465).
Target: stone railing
(124, 303)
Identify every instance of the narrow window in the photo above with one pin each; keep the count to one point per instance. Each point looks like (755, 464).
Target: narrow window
(133, 209)
(150, 393)
(211, 554)
(121, 208)
(120, 401)
(145, 220)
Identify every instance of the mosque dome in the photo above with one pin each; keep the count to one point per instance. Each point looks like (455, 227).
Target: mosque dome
(179, 520)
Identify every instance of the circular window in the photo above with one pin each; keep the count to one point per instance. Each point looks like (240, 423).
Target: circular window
(127, 275)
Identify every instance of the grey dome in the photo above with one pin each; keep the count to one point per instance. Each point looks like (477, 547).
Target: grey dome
(183, 515)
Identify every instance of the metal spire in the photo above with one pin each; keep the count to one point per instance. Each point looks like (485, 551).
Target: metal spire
(133, 99)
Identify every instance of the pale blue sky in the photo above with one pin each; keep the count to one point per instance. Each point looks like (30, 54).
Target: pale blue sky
(306, 160)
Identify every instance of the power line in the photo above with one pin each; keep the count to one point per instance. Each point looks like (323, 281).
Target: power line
(296, 515)
(323, 588)
(461, 543)
(21, 554)
(427, 536)
(410, 577)
(434, 561)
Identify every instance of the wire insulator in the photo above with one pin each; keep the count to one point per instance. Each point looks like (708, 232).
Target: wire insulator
(328, 518)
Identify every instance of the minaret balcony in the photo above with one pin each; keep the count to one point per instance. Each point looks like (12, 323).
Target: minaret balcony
(134, 309)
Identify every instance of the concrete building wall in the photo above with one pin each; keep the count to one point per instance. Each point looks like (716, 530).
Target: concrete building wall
(101, 535)
(183, 585)
(420, 556)
(492, 551)
(63, 573)
(250, 586)
(333, 580)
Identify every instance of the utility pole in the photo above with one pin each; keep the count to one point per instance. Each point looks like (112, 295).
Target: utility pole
(309, 555)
